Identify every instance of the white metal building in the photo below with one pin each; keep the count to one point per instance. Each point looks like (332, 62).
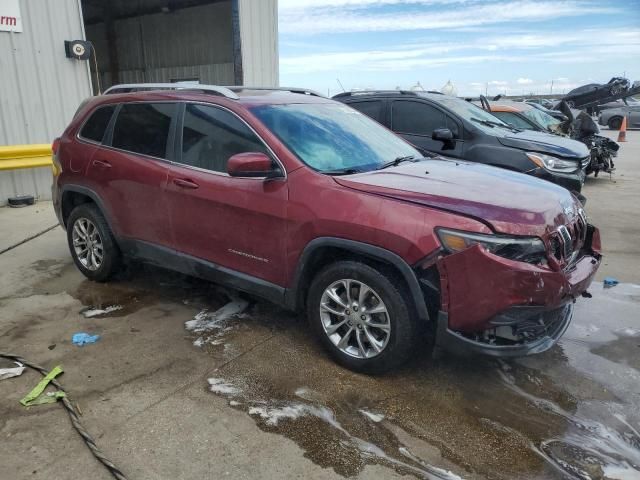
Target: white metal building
(227, 42)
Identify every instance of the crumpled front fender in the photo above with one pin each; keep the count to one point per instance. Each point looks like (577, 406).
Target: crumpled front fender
(477, 285)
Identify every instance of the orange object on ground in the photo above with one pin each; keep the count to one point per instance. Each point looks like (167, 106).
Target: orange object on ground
(622, 136)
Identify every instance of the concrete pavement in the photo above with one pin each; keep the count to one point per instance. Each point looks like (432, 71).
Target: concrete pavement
(259, 399)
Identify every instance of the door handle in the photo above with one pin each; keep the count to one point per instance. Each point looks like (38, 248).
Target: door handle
(185, 183)
(101, 163)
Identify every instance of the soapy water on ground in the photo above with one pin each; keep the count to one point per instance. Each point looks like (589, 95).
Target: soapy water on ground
(588, 448)
(520, 404)
(274, 413)
(98, 312)
(212, 325)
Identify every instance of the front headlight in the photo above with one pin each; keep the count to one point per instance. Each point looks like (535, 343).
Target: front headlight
(522, 249)
(552, 163)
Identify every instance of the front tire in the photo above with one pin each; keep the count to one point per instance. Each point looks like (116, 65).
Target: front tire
(362, 317)
(91, 243)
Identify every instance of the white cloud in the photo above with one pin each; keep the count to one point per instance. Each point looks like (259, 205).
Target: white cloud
(524, 81)
(310, 18)
(498, 83)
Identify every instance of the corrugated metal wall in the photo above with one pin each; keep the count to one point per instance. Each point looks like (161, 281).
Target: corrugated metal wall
(40, 88)
(259, 38)
(188, 43)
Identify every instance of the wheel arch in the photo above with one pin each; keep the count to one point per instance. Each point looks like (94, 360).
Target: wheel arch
(614, 118)
(74, 195)
(323, 250)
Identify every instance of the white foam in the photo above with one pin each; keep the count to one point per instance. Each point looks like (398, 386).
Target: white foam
(615, 472)
(221, 386)
(96, 312)
(629, 332)
(205, 321)
(374, 417)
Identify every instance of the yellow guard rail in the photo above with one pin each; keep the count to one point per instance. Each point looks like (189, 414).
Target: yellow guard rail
(14, 157)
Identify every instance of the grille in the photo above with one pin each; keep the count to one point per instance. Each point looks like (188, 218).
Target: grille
(566, 243)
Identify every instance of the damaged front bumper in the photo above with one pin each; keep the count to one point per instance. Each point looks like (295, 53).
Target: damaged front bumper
(501, 307)
(528, 335)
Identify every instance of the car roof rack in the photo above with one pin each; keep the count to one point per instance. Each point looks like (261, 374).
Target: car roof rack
(136, 87)
(373, 92)
(304, 91)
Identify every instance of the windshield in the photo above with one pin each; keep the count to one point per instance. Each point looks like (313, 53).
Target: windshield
(331, 137)
(541, 118)
(469, 111)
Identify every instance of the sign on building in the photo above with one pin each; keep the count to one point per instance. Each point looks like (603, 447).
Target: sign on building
(10, 18)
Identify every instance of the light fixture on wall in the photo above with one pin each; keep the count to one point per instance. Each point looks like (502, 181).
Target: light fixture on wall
(82, 50)
(78, 49)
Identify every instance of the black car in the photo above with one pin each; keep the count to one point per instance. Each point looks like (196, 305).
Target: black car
(454, 127)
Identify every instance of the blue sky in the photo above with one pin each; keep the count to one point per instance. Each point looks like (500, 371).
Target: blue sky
(508, 46)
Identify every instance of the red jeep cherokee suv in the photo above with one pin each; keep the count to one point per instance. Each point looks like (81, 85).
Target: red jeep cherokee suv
(310, 204)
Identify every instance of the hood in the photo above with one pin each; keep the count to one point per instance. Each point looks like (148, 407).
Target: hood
(545, 143)
(512, 203)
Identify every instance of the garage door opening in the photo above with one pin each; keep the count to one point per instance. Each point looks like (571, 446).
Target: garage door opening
(219, 42)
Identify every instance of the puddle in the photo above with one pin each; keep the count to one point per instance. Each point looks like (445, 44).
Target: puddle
(444, 419)
(571, 412)
(619, 351)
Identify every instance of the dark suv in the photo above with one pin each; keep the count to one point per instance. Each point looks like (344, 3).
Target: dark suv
(307, 203)
(456, 128)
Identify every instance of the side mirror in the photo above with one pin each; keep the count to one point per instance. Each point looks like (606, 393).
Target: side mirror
(442, 134)
(253, 165)
(445, 136)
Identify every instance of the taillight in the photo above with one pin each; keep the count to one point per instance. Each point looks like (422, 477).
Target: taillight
(55, 145)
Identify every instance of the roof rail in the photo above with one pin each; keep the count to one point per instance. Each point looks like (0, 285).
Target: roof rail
(304, 91)
(369, 92)
(135, 87)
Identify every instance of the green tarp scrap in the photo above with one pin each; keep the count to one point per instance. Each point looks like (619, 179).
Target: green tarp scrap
(34, 396)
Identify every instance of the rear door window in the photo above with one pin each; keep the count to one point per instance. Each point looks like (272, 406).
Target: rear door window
(417, 118)
(144, 128)
(96, 126)
(211, 135)
(371, 108)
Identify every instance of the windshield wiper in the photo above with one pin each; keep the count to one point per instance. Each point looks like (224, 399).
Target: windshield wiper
(491, 124)
(341, 171)
(397, 161)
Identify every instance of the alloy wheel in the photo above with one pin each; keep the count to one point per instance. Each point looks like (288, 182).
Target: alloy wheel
(355, 318)
(87, 244)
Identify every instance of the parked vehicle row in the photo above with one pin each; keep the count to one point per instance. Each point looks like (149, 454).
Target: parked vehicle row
(577, 125)
(306, 202)
(456, 128)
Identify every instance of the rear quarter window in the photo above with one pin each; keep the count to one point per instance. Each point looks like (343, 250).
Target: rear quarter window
(371, 108)
(96, 126)
(143, 128)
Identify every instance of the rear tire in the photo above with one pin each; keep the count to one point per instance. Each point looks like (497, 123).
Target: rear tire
(379, 324)
(615, 123)
(91, 243)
